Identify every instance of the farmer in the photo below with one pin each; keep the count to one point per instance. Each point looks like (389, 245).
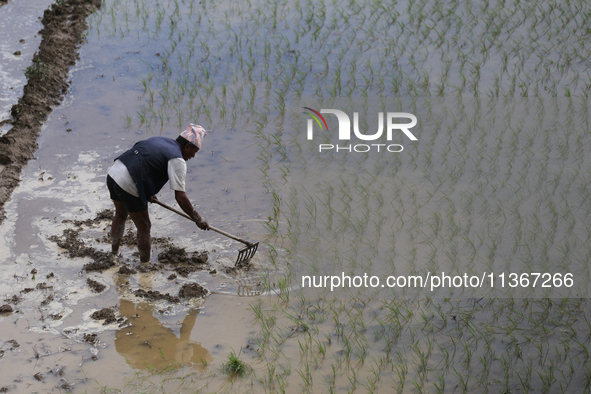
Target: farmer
(139, 174)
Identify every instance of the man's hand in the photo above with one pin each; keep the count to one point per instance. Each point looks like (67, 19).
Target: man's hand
(201, 223)
(153, 199)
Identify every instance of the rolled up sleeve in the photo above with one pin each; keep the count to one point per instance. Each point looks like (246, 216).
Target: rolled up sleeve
(177, 171)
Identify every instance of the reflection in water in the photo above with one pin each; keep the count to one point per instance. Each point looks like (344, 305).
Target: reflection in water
(148, 343)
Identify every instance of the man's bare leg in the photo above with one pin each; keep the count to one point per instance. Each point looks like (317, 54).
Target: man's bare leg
(143, 225)
(118, 226)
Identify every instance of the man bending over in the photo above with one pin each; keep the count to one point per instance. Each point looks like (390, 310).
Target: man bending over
(141, 172)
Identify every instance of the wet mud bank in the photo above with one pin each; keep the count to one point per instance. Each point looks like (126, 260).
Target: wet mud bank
(63, 26)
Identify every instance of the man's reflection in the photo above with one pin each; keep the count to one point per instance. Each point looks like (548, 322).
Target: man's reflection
(147, 343)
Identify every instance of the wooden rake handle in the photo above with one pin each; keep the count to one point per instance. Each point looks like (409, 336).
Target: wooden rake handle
(217, 230)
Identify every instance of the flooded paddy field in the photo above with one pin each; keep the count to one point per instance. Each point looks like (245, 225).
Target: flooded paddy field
(496, 182)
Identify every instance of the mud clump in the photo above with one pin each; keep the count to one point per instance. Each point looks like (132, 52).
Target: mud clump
(5, 309)
(184, 264)
(199, 258)
(43, 286)
(153, 295)
(99, 266)
(56, 316)
(91, 338)
(70, 242)
(125, 270)
(95, 286)
(128, 239)
(192, 290)
(185, 270)
(105, 214)
(173, 256)
(106, 314)
(63, 26)
(76, 248)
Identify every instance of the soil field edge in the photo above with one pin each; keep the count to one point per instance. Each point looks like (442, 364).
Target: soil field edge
(64, 23)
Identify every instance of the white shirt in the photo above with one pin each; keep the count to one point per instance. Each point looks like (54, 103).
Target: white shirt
(177, 171)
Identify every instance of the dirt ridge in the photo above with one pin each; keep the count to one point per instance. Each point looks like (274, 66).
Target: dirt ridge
(64, 23)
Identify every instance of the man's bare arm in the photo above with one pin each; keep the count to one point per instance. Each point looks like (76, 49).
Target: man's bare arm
(187, 207)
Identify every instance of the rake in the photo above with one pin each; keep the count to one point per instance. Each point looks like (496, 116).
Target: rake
(244, 255)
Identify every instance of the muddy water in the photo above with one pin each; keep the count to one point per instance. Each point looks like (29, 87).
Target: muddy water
(200, 338)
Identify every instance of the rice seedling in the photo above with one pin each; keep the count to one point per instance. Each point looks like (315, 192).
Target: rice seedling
(235, 366)
(488, 193)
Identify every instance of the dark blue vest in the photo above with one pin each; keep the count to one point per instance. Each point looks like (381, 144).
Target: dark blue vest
(147, 163)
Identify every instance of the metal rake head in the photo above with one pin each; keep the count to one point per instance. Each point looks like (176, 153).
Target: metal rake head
(244, 255)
